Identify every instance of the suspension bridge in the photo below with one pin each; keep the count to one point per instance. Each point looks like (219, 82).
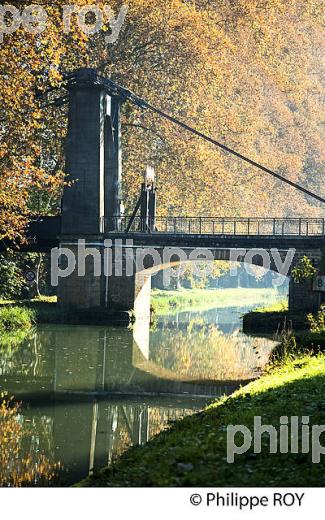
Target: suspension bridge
(92, 208)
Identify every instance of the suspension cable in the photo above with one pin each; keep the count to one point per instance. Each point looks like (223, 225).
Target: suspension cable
(133, 98)
(235, 153)
(126, 95)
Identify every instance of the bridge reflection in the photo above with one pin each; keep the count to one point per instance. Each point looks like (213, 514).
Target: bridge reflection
(85, 435)
(97, 392)
(84, 361)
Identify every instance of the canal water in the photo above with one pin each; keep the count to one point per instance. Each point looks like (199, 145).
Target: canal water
(89, 393)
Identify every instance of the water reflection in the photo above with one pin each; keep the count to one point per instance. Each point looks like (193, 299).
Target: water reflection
(208, 345)
(94, 360)
(89, 434)
(91, 392)
(22, 462)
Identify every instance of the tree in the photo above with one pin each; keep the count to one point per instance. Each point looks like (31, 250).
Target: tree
(249, 73)
(31, 132)
(11, 277)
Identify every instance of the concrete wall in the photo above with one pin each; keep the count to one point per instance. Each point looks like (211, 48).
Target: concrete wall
(88, 287)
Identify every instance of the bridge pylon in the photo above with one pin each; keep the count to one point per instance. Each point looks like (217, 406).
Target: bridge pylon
(92, 199)
(93, 157)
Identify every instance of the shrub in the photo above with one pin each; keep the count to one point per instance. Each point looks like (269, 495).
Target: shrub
(317, 322)
(304, 270)
(14, 319)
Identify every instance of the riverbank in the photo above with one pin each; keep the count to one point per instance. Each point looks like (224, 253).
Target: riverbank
(271, 319)
(15, 324)
(278, 320)
(44, 310)
(169, 302)
(193, 452)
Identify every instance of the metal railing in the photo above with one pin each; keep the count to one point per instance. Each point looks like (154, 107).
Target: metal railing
(223, 226)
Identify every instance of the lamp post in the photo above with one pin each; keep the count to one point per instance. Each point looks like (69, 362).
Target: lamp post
(148, 201)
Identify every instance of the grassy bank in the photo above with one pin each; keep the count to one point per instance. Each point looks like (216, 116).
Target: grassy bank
(13, 319)
(271, 318)
(46, 311)
(40, 310)
(193, 451)
(15, 323)
(168, 302)
(280, 306)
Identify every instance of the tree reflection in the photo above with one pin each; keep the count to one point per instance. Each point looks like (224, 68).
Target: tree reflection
(22, 463)
(30, 356)
(204, 352)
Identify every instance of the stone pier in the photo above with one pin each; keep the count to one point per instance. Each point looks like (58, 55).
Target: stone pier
(302, 297)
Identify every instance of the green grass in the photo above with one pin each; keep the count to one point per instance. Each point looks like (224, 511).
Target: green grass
(168, 302)
(193, 451)
(15, 324)
(280, 306)
(43, 309)
(270, 319)
(15, 318)
(46, 299)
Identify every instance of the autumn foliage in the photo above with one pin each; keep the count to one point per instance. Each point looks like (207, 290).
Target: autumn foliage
(249, 73)
(21, 461)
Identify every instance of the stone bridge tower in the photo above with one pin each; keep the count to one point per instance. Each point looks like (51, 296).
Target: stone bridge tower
(91, 202)
(93, 158)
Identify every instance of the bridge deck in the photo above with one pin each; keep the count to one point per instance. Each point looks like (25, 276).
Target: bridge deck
(301, 233)
(183, 240)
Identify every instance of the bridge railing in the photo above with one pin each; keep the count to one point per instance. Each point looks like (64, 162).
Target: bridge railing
(222, 226)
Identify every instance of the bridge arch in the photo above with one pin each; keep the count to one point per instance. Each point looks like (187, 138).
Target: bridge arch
(280, 262)
(148, 265)
(135, 259)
